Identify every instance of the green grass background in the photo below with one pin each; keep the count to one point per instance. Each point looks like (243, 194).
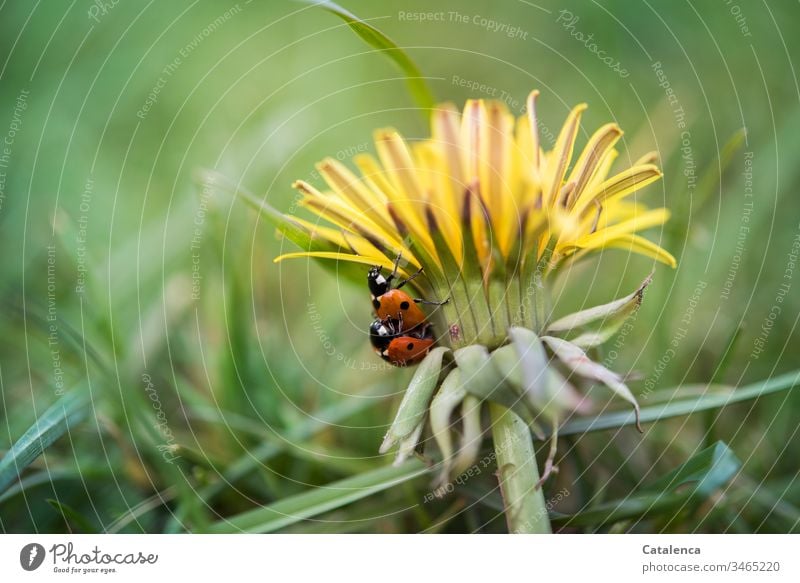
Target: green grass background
(265, 381)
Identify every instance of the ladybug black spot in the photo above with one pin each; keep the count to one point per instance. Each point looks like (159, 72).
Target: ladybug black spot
(404, 305)
(410, 346)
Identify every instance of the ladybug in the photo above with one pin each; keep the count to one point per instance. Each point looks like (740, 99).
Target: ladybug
(399, 347)
(393, 303)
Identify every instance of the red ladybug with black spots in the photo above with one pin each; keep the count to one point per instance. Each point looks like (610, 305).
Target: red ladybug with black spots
(401, 333)
(397, 347)
(392, 302)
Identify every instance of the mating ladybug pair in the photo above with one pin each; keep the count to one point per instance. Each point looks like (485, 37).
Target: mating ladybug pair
(400, 333)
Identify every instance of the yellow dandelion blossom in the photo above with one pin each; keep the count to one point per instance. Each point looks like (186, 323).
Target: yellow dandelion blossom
(484, 209)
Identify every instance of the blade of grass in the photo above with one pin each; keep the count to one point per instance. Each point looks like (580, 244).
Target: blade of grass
(417, 86)
(72, 517)
(708, 471)
(37, 479)
(718, 375)
(725, 359)
(279, 443)
(371, 515)
(64, 414)
(322, 499)
(157, 500)
(654, 413)
(714, 174)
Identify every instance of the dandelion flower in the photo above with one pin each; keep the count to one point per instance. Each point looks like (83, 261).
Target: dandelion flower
(489, 215)
(484, 209)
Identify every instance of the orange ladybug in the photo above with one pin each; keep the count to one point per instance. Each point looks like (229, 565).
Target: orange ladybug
(393, 303)
(397, 347)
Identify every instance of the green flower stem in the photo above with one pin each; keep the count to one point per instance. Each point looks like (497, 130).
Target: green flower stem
(518, 474)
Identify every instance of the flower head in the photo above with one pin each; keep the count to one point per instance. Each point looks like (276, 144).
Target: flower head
(488, 215)
(484, 209)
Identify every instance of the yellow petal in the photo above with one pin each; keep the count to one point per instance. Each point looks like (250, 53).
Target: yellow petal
(350, 188)
(377, 260)
(599, 144)
(317, 230)
(602, 170)
(536, 224)
(396, 159)
(496, 170)
(470, 140)
(367, 248)
(619, 186)
(409, 199)
(649, 158)
(640, 245)
(441, 202)
(561, 155)
(533, 126)
(445, 126)
(602, 237)
(343, 215)
(373, 174)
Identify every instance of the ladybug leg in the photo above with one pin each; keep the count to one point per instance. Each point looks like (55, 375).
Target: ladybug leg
(405, 281)
(421, 329)
(396, 264)
(430, 303)
(393, 274)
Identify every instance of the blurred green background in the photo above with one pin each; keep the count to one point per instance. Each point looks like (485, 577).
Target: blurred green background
(220, 382)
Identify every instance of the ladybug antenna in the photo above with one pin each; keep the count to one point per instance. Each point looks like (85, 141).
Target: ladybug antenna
(405, 281)
(396, 265)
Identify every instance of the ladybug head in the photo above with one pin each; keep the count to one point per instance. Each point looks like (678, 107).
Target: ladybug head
(381, 333)
(378, 284)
